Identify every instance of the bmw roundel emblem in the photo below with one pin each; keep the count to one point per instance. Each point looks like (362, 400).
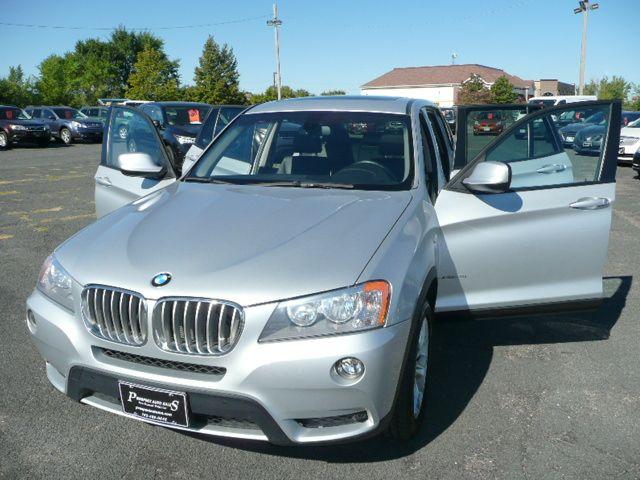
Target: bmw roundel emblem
(161, 279)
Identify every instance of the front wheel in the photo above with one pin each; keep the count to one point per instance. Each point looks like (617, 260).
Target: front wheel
(65, 136)
(408, 411)
(4, 140)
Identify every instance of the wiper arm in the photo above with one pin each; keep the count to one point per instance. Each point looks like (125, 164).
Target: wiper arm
(299, 184)
(211, 180)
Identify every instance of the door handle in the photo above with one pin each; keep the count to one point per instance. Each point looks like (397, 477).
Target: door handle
(553, 168)
(103, 181)
(591, 203)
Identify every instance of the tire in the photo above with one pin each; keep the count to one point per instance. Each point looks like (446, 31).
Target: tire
(408, 410)
(65, 136)
(4, 140)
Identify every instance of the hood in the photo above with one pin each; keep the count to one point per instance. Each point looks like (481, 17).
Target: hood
(93, 119)
(591, 130)
(246, 244)
(574, 127)
(630, 131)
(89, 121)
(186, 130)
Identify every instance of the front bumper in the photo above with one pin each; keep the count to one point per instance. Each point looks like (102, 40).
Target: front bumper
(27, 136)
(87, 134)
(626, 152)
(280, 391)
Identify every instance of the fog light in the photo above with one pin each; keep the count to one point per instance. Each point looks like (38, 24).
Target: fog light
(31, 320)
(349, 368)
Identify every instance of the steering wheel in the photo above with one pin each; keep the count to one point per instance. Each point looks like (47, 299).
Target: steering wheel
(368, 167)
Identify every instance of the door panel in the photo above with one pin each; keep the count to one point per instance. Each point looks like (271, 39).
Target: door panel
(113, 188)
(543, 242)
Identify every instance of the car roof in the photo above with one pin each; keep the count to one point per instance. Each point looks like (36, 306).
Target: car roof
(354, 103)
(179, 104)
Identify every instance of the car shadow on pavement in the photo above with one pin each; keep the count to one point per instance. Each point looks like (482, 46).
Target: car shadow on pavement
(462, 351)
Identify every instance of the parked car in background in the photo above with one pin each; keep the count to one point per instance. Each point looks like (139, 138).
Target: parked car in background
(629, 142)
(588, 141)
(178, 123)
(68, 124)
(560, 100)
(16, 126)
(99, 111)
(488, 123)
(219, 117)
(568, 132)
(285, 288)
(450, 117)
(635, 164)
(135, 103)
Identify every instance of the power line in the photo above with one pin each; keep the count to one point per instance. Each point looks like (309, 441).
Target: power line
(175, 27)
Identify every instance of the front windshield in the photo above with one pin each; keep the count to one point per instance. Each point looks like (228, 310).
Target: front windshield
(311, 149)
(186, 115)
(13, 114)
(596, 118)
(68, 113)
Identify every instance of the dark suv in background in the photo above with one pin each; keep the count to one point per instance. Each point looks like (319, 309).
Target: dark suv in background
(99, 111)
(16, 126)
(178, 123)
(68, 124)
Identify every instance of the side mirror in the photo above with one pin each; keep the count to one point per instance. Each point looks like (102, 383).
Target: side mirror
(139, 164)
(489, 177)
(157, 124)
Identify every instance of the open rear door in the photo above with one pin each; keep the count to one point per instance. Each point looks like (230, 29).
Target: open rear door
(129, 130)
(544, 241)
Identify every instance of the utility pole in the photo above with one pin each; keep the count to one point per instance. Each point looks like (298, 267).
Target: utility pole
(275, 22)
(584, 7)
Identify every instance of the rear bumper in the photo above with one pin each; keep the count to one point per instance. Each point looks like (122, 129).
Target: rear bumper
(283, 392)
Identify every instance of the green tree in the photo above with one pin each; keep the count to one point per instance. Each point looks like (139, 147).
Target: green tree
(216, 76)
(634, 102)
(502, 91)
(124, 48)
(473, 91)
(154, 77)
(53, 85)
(271, 94)
(16, 89)
(591, 88)
(333, 92)
(616, 88)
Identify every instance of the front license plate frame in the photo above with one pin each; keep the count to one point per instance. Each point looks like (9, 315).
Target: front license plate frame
(153, 404)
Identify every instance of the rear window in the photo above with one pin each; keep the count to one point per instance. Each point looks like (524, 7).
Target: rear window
(68, 113)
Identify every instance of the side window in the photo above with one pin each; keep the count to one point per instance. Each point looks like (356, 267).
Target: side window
(226, 115)
(430, 162)
(35, 113)
(48, 114)
(443, 150)
(206, 133)
(141, 136)
(543, 153)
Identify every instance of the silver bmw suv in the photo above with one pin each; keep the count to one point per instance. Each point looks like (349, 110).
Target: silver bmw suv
(284, 287)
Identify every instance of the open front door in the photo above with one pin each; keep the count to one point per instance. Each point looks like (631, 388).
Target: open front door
(544, 240)
(479, 125)
(129, 130)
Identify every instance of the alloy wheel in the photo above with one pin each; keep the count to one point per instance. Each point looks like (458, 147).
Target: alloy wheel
(3, 140)
(420, 374)
(66, 136)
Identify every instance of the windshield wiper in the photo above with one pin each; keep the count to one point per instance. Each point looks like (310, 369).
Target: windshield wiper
(212, 180)
(299, 184)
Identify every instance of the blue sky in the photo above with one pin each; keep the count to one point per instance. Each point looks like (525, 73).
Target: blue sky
(333, 44)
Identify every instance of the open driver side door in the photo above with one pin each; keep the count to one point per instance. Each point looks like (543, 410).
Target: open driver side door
(129, 130)
(543, 240)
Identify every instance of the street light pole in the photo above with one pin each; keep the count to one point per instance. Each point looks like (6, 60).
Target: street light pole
(584, 8)
(275, 22)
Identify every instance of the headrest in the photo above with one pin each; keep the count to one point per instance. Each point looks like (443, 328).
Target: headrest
(305, 143)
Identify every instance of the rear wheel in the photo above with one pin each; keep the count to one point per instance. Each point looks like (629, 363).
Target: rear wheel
(4, 140)
(408, 411)
(65, 136)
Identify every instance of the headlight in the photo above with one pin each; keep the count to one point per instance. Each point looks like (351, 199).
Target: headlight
(628, 140)
(182, 139)
(17, 127)
(594, 138)
(75, 124)
(352, 309)
(56, 283)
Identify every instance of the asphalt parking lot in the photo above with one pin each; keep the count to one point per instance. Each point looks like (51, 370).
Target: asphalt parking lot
(539, 397)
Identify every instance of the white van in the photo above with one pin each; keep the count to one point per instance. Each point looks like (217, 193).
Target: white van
(561, 99)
